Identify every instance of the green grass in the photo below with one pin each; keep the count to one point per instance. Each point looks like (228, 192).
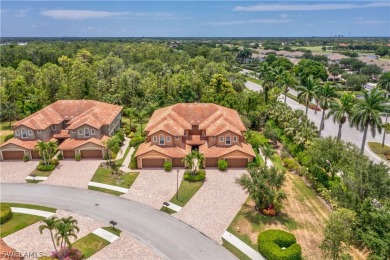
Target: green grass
(134, 121)
(33, 182)
(240, 255)
(18, 222)
(118, 163)
(115, 231)
(293, 97)
(105, 176)
(29, 206)
(112, 192)
(254, 80)
(167, 210)
(90, 244)
(278, 163)
(6, 126)
(186, 191)
(378, 149)
(42, 173)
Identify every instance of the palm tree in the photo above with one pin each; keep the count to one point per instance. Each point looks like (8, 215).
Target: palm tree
(286, 80)
(341, 110)
(188, 161)
(50, 224)
(41, 147)
(140, 115)
(386, 130)
(309, 91)
(267, 152)
(367, 113)
(51, 149)
(66, 229)
(305, 133)
(268, 83)
(384, 81)
(326, 95)
(110, 144)
(130, 113)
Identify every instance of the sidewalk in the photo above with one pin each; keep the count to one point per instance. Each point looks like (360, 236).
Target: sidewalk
(126, 162)
(253, 254)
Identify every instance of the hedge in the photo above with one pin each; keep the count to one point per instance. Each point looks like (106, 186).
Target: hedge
(49, 167)
(5, 213)
(222, 165)
(272, 242)
(167, 166)
(136, 141)
(199, 176)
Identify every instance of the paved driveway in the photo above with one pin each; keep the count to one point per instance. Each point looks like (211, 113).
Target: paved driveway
(73, 174)
(214, 206)
(154, 186)
(16, 171)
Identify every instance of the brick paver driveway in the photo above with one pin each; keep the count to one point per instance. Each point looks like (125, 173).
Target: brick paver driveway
(16, 171)
(214, 206)
(154, 186)
(73, 174)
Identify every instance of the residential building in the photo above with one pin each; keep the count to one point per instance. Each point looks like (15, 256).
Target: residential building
(173, 132)
(80, 127)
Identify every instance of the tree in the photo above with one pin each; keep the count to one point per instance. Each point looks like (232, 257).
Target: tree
(129, 111)
(264, 187)
(66, 228)
(309, 91)
(51, 149)
(286, 81)
(367, 113)
(50, 224)
(267, 152)
(41, 147)
(112, 147)
(307, 67)
(190, 159)
(355, 81)
(371, 70)
(325, 94)
(338, 233)
(386, 130)
(9, 111)
(341, 110)
(140, 115)
(384, 81)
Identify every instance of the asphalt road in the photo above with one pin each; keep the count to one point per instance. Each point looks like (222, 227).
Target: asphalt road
(169, 237)
(348, 134)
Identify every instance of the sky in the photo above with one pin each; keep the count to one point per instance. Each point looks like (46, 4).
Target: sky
(194, 18)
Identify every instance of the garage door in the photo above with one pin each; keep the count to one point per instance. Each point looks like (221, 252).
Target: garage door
(153, 163)
(237, 162)
(35, 155)
(68, 153)
(91, 154)
(211, 162)
(177, 162)
(13, 155)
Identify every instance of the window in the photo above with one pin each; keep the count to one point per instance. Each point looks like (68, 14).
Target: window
(38, 131)
(235, 139)
(176, 138)
(92, 131)
(73, 131)
(80, 132)
(17, 133)
(155, 139)
(168, 139)
(221, 138)
(213, 138)
(162, 140)
(30, 132)
(24, 133)
(53, 127)
(228, 142)
(86, 132)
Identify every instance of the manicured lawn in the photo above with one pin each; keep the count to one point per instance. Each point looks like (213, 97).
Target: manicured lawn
(254, 80)
(29, 206)
(167, 210)
(118, 163)
(240, 255)
(42, 173)
(90, 244)
(18, 222)
(112, 192)
(378, 149)
(105, 176)
(186, 191)
(115, 231)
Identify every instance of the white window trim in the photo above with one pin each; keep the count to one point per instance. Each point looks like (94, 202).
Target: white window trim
(80, 132)
(92, 131)
(213, 138)
(176, 138)
(53, 127)
(17, 133)
(235, 139)
(221, 139)
(86, 130)
(161, 139)
(226, 140)
(23, 131)
(38, 131)
(168, 139)
(30, 132)
(154, 139)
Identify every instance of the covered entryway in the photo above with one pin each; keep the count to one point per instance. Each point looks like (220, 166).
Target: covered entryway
(13, 155)
(91, 154)
(177, 162)
(35, 155)
(68, 153)
(153, 162)
(237, 162)
(211, 162)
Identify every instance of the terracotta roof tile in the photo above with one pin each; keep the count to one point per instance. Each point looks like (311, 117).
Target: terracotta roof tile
(218, 151)
(70, 144)
(27, 144)
(171, 151)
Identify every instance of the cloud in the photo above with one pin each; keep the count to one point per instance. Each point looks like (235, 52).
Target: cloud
(308, 7)
(253, 21)
(370, 22)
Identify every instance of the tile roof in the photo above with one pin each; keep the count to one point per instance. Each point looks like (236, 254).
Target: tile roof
(171, 151)
(212, 118)
(27, 144)
(195, 140)
(70, 144)
(78, 112)
(218, 151)
(63, 134)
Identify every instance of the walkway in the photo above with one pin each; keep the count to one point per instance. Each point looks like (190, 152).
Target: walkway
(35, 212)
(126, 162)
(110, 237)
(123, 149)
(172, 238)
(235, 241)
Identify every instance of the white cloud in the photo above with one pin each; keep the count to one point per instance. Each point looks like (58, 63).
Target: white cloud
(308, 7)
(253, 21)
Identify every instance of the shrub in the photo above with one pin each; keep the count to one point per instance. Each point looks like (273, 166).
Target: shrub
(133, 161)
(60, 156)
(222, 165)
(5, 213)
(120, 136)
(68, 253)
(168, 166)
(130, 135)
(54, 162)
(290, 164)
(7, 137)
(272, 242)
(49, 167)
(200, 175)
(136, 140)
(106, 156)
(77, 157)
(133, 128)
(25, 158)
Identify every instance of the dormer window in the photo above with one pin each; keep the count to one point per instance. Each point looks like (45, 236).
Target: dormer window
(168, 139)
(86, 132)
(92, 131)
(221, 139)
(235, 139)
(80, 132)
(155, 139)
(228, 142)
(30, 132)
(162, 140)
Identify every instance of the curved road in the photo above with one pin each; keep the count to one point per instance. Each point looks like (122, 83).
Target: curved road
(165, 234)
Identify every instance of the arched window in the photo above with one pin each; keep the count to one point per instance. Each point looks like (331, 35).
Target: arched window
(162, 140)
(86, 132)
(228, 142)
(24, 133)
